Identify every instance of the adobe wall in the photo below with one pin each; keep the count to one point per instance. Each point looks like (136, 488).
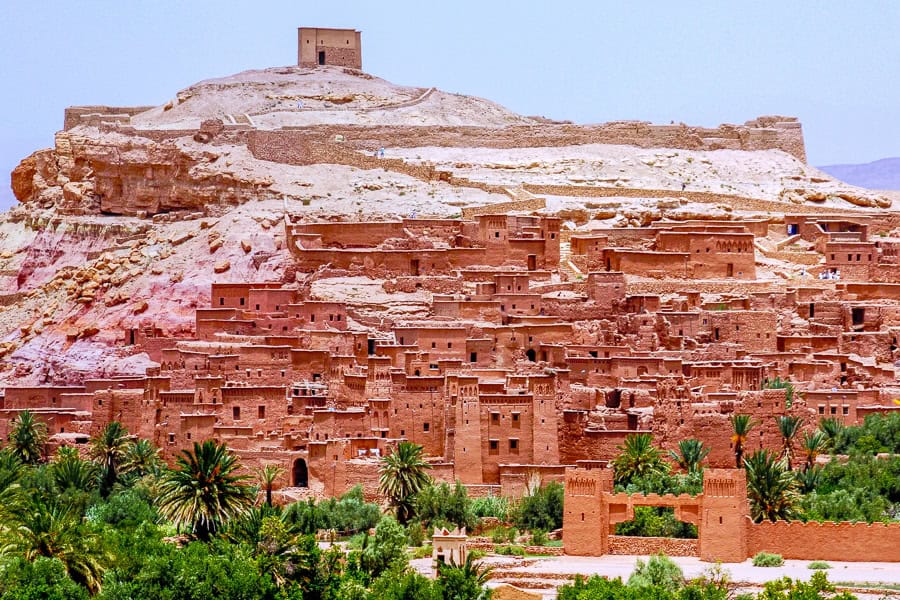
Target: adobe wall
(826, 541)
(766, 133)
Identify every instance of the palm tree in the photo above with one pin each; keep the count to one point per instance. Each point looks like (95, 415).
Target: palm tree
(267, 476)
(638, 457)
(55, 530)
(789, 426)
(690, 455)
(771, 487)
(741, 426)
(812, 444)
(831, 428)
(203, 492)
(809, 479)
(73, 473)
(108, 451)
(27, 437)
(141, 458)
(468, 580)
(403, 475)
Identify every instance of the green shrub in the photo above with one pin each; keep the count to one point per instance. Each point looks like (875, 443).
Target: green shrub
(491, 506)
(442, 505)
(477, 554)
(541, 510)
(510, 550)
(818, 565)
(503, 535)
(539, 537)
(415, 534)
(659, 571)
(423, 551)
(765, 559)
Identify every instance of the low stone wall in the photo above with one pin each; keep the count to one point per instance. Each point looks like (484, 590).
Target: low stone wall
(633, 545)
(504, 207)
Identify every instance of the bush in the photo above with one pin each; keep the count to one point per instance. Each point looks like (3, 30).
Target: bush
(491, 506)
(423, 551)
(818, 565)
(539, 537)
(656, 521)
(659, 571)
(441, 505)
(502, 535)
(542, 510)
(765, 559)
(349, 514)
(415, 534)
(510, 550)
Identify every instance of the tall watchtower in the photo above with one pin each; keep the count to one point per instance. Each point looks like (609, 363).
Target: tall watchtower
(338, 47)
(725, 513)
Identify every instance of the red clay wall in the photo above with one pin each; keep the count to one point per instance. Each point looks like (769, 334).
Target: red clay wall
(826, 541)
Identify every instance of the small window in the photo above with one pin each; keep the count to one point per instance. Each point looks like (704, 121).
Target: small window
(513, 444)
(834, 410)
(221, 301)
(236, 412)
(846, 410)
(494, 446)
(496, 234)
(261, 412)
(242, 301)
(495, 417)
(426, 427)
(171, 438)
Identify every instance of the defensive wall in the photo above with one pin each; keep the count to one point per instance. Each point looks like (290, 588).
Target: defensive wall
(721, 513)
(764, 133)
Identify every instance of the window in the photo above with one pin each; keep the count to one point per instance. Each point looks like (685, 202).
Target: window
(171, 438)
(495, 417)
(242, 301)
(834, 410)
(513, 444)
(821, 409)
(426, 427)
(236, 412)
(496, 234)
(257, 307)
(221, 301)
(846, 410)
(516, 421)
(261, 412)
(494, 446)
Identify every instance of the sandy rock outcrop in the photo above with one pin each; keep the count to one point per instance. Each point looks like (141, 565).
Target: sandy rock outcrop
(128, 175)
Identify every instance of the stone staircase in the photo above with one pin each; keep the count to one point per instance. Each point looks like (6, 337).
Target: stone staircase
(565, 263)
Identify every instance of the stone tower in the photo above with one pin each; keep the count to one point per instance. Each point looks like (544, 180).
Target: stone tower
(725, 515)
(338, 47)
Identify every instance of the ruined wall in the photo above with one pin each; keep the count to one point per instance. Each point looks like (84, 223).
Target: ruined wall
(766, 133)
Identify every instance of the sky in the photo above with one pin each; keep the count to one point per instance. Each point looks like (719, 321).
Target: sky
(833, 64)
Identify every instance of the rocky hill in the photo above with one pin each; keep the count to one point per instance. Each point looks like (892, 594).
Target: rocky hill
(125, 222)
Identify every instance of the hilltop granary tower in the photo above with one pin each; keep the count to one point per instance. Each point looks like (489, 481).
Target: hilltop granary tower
(338, 47)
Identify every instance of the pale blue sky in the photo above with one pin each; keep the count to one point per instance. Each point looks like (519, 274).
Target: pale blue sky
(834, 64)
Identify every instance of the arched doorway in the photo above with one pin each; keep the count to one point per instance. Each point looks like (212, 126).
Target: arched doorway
(300, 474)
(531, 354)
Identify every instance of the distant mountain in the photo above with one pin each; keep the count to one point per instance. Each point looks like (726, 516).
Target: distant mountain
(881, 174)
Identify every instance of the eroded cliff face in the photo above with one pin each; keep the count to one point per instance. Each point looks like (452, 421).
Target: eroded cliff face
(91, 171)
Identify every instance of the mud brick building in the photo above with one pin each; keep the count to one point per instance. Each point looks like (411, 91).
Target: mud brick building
(317, 46)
